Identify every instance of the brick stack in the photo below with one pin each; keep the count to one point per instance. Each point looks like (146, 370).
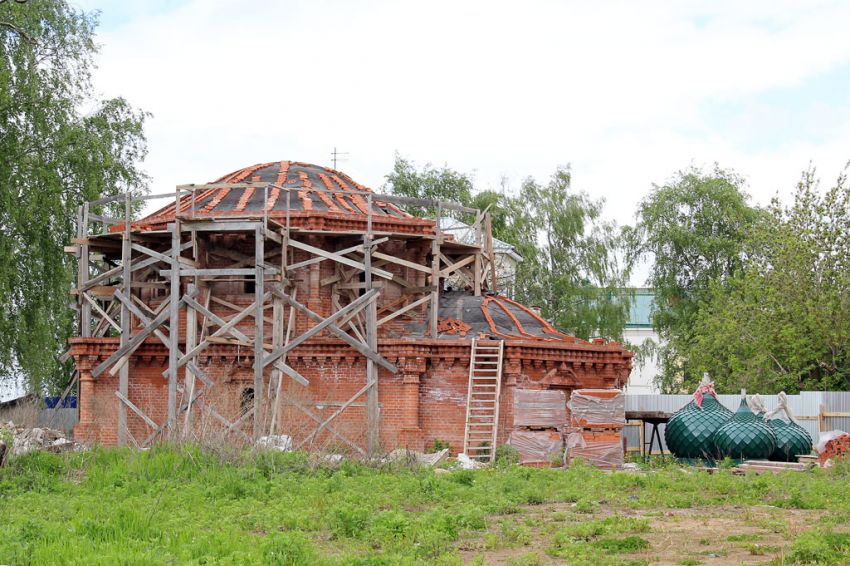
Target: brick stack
(539, 419)
(597, 418)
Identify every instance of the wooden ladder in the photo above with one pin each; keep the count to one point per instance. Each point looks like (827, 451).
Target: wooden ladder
(482, 399)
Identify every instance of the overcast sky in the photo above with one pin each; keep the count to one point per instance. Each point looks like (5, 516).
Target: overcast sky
(625, 92)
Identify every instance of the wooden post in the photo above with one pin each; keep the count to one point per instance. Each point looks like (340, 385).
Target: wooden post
(435, 276)
(491, 255)
(478, 263)
(85, 308)
(174, 323)
(189, 376)
(124, 375)
(372, 409)
(259, 257)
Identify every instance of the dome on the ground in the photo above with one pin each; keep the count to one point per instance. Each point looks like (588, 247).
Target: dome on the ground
(745, 437)
(690, 431)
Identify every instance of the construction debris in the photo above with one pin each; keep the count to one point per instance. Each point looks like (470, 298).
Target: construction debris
(834, 444)
(452, 326)
(26, 440)
(414, 456)
(279, 442)
(467, 463)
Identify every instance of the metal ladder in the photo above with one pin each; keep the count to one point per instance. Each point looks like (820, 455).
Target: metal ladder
(482, 399)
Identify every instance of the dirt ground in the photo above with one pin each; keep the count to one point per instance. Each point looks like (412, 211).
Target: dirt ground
(710, 535)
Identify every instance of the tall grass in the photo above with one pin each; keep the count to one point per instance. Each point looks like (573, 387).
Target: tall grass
(176, 504)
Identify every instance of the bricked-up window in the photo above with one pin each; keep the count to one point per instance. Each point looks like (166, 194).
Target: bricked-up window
(247, 399)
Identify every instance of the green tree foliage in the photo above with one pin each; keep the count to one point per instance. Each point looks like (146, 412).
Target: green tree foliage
(783, 321)
(432, 183)
(576, 276)
(59, 147)
(570, 266)
(694, 228)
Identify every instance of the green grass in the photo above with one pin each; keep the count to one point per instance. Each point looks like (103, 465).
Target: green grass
(184, 505)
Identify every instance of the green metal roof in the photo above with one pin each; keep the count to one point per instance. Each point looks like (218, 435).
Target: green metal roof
(640, 313)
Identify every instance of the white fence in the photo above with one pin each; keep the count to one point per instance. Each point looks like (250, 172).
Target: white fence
(816, 411)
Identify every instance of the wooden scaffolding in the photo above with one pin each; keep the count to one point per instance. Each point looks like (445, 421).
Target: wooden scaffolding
(118, 264)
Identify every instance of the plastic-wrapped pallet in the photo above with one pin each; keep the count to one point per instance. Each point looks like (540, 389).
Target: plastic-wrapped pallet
(540, 408)
(603, 449)
(536, 447)
(597, 408)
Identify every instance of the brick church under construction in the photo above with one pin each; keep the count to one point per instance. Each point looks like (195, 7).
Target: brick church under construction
(287, 299)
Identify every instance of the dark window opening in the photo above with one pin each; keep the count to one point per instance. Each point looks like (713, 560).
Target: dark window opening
(250, 287)
(246, 402)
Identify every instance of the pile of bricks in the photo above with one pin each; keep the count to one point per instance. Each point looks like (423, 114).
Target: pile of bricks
(539, 420)
(837, 448)
(597, 418)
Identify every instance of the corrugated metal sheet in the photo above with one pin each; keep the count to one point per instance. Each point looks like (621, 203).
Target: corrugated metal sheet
(805, 407)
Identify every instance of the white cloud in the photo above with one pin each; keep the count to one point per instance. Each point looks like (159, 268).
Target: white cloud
(619, 89)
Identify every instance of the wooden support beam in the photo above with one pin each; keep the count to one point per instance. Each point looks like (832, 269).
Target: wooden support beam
(372, 408)
(454, 266)
(338, 258)
(174, 318)
(124, 377)
(210, 272)
(259, 254)
(404, 309)
(331, 429)
(359, 346)
(102, 313)
(221, 330)
(235, 307)
(311, 261)
(328, 322)
(435, 287)
(132, 343)
(218, 320)
(100, 277)
(335, 414)
(136, 410)
(403, 262)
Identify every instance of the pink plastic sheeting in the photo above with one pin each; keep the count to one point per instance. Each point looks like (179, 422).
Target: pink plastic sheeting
(540, 408)
(606, 455)
(536, 446)
(591, 410)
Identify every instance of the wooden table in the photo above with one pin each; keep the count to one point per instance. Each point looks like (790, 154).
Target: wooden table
(653, 418)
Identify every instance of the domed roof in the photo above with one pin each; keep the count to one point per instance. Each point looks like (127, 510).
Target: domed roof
(314, 192)
(462, 315)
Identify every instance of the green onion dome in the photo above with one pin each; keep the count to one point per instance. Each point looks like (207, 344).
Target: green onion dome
(745, 436)
(792, 440)
(688, 433)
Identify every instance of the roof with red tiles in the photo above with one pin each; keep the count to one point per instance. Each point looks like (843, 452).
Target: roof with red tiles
(315, 192)
(463, 315)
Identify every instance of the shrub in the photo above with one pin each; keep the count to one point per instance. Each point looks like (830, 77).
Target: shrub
(506, 455)
(288, 549)
(821, 547)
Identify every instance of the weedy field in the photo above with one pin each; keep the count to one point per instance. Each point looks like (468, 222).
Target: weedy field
(186, 505)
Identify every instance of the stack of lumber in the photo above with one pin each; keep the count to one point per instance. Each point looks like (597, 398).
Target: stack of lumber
(761, 466)
(539, 419)
(597, 418)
